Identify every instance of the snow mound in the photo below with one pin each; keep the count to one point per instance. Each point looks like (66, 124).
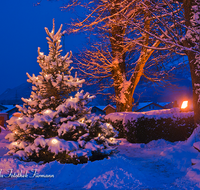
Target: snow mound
(197, 145)
(194, 137)
(118, 178)
(194, 173)
(14, 188)
(158, 143)
(7, 164)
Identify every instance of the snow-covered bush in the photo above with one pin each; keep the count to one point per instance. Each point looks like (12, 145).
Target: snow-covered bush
(145, 130)
(120, 127)
(55, 123)
(145, 127)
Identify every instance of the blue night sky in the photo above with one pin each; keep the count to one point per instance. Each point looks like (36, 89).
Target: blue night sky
(22, 32)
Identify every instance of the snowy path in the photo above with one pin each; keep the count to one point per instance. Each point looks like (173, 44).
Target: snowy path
(159, 172)
(158, 165)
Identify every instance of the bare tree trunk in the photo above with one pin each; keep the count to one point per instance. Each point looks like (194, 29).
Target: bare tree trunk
(195, 75)
(129, 87)
(118, 65)
(192, 40)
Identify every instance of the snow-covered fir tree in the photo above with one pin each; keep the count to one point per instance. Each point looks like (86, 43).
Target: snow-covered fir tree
(54, 123)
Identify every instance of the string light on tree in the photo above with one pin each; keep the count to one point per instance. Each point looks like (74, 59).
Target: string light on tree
(14, 143)
(48, 111)
(57, 123)
(82, 120)
(54, 141)
(111, 139)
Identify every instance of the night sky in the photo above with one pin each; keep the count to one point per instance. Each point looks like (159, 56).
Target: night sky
(22, 32)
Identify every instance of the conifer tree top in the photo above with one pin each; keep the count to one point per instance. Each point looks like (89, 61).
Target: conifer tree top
(55, 82)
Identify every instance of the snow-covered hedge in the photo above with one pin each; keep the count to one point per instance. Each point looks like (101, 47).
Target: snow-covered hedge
(142, 127)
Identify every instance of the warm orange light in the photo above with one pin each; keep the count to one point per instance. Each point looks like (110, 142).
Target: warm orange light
(82, 120)
(47, 111)
(54, 141)
(17, 114)
(111, 139)
(184, 105)
(14, 143)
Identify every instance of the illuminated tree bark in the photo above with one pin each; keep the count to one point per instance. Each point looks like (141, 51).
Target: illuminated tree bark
(192, 40)
(125, 28)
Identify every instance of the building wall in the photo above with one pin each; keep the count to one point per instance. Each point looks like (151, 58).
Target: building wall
(97, 111)
(3, 118)
(109, 110)
(149, 108)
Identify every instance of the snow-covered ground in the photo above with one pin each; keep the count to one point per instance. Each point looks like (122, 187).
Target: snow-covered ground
(157, 165)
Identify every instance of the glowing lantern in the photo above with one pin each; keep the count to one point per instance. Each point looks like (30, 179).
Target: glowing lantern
(184, 105)
(54, 141)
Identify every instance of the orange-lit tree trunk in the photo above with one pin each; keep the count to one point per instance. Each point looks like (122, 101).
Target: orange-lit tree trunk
(124, 89)
(125, 27)
(192, 15)
(118, 65)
